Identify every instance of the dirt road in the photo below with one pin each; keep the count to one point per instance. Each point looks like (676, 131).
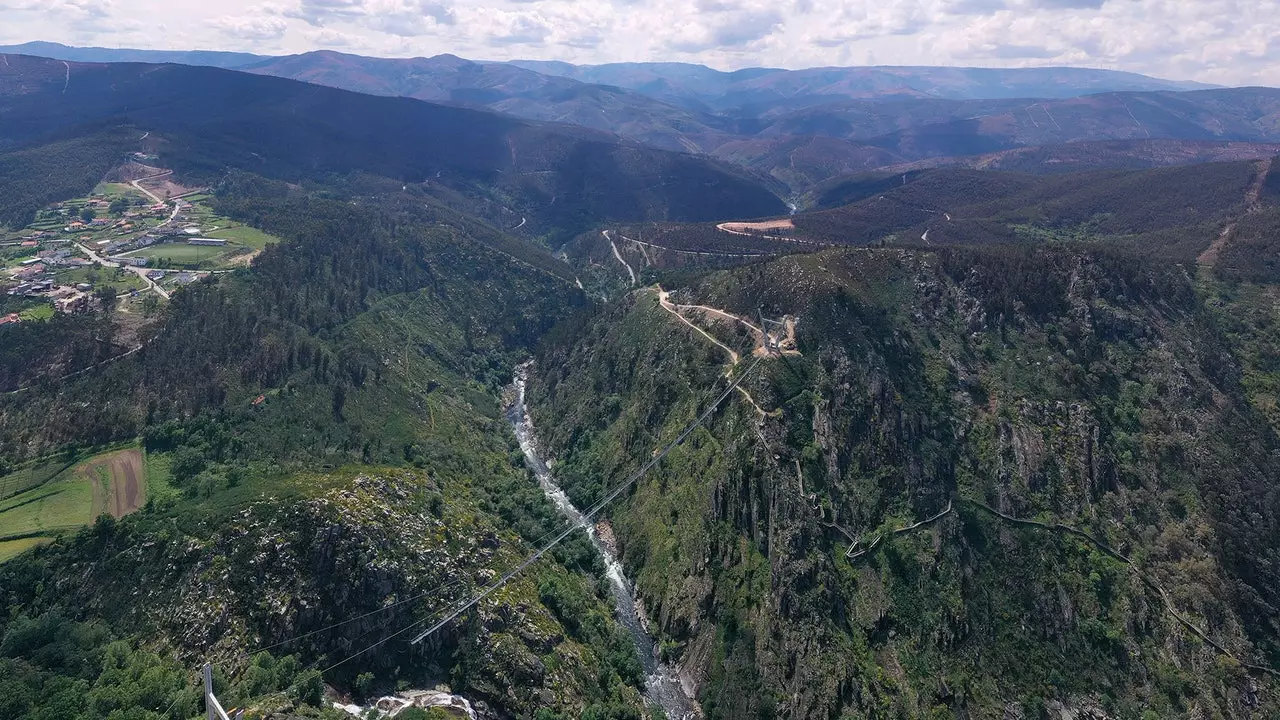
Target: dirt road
(148, 193)
(665, 302)
(140, 272)
(609, 236)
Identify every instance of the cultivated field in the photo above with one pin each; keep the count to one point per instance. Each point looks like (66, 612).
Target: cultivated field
(45, 501)
(118, 480)
(33, 475)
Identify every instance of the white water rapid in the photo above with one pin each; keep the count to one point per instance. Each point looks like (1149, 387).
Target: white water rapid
(662, 685)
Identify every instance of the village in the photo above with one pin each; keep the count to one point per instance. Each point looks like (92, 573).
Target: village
(128, 245)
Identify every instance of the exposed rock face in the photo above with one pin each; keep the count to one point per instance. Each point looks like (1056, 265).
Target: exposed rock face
(1092, 400)
(280, 569)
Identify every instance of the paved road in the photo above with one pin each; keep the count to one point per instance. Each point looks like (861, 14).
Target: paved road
(140, 272)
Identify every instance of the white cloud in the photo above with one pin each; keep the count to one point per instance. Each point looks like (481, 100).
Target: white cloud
(249, 27)
(1224, 41)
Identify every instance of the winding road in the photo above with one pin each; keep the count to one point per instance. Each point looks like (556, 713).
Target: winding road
(148, 193)
(665, 302)
(608, 236)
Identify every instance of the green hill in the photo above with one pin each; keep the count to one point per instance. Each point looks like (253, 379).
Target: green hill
(1065, 386)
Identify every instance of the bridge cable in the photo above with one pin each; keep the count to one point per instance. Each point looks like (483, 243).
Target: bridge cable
(586, 516)
(538, 554)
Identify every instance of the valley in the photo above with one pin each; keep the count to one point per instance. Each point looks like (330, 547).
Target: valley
(432, 388)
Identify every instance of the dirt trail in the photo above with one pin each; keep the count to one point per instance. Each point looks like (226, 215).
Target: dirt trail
(759, 410)
(640, 246)
(671, 307)
(608, 236)
(786, 344)
(1252, 204)
(762, 340)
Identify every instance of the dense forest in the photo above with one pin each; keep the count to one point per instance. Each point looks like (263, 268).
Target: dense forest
(1022, 463)
(35, 177)
(1091, 389)
(379, 334)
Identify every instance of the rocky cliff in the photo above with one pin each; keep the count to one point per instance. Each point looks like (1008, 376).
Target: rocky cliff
(1005, 483)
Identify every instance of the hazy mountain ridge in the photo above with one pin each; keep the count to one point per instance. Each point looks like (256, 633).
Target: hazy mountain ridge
(759, 117)
(724, 90)
(215, 58)
(214, 119)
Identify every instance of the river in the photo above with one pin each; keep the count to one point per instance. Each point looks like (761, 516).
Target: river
(662, 684)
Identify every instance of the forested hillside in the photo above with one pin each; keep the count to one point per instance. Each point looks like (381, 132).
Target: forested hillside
(1099, 485)
(1003, 444)
(206, 120)
(1177, 213)
(376, 337)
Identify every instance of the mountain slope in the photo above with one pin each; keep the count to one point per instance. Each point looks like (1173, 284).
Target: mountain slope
(1098, 155)
(375, 338)
(212, 119)
(802, 127)
(876, 528)
(1174, 213)
(506, 88)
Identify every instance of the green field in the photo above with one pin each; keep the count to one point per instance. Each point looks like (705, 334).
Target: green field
(244, 235)
(171, 254)
(33, 475)
(121, 281)
(62, 504)
(10, 549)
(39, 313)
(46, 500)
(111, 191)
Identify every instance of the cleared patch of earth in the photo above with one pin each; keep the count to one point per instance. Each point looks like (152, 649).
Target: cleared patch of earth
(118, 482)
(746, 227)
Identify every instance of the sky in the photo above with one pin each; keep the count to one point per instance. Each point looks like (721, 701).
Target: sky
(1228, 42)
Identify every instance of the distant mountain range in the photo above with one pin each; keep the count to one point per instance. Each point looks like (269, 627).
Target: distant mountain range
(688, 84)
(210, 120)
(799, 128)
(58, 51)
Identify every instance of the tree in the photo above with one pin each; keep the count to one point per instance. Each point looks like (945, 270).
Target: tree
(309, 688)
(119, 206)
(363, 685)
(106, 298)
(187, 463)
(87, 215)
